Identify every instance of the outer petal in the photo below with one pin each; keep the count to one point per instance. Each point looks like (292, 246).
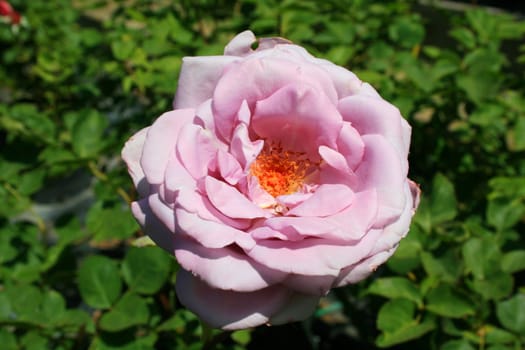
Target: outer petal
(382, 169)
(370, 115)
(160, 143)
(198, 78)
(241, 44)
(297, 308)
(363, 269)
(225, 268)
(155, 229)
(226, 309)
(385, 246)
(131, 154)
(312, 256)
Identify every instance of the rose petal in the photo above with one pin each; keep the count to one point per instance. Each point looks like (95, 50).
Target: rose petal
(196, 149)
(292, 115)
(382, 169)
(226, 309)
(256, 79)
(209, 233)
(363, 269)
(229, 167)
(229, 201)
(315, 286)
(241, 44)
(155, 229)
(297, 308)
(198, 78)
(348, 225)
(194, 202)
(350, 145)
(326, 200)
(225, 268)
(312, 256)
(242, 148)
(335, 159)
(370, 115)
(160, 143)
(131, 154)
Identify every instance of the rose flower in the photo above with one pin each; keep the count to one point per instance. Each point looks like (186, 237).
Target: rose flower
(276, 177)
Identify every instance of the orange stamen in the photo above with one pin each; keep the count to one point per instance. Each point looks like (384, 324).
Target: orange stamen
(280, 171)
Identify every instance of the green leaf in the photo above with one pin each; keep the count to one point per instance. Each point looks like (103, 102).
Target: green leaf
(516, 135)
(457, 345)
(25, 301)
(464, 36)
(394, 314)
(406, 31)
(99, 281)
(32, 340)
(396, 320)
(26, 119)
(87, 132)
(146, 269)
(5, 307)
(511, 313)
(446, 302)
(446, 268)
(181, 322)
(130, 310)
(481, 256)
(494, 335)
(503, 212)
(110, 222)
(440, 207)
(242, 337)
(395, 287)
(496, 287)
(53, 307)
(513, 261)
(123, 47)
(8, 340)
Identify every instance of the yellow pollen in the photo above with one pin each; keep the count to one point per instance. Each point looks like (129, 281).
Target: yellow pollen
(280, 171)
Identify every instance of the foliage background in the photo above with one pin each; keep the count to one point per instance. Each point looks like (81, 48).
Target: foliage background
(79, 77)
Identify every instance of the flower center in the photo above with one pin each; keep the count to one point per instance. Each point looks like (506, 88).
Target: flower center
(280, 171)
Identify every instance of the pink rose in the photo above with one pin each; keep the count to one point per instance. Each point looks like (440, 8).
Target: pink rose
(276, 177)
